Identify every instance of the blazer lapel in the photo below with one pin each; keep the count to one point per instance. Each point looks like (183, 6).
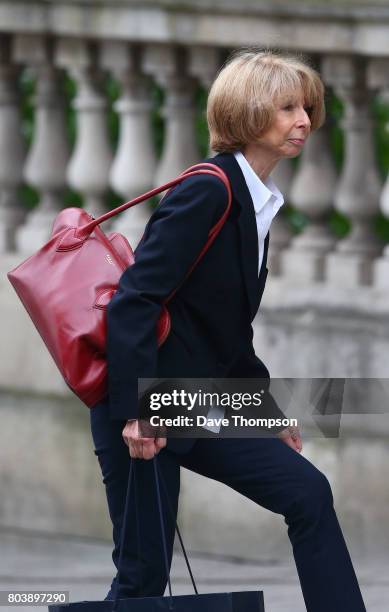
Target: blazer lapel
(247, 227)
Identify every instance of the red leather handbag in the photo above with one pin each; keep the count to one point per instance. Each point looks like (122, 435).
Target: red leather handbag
(66, 286)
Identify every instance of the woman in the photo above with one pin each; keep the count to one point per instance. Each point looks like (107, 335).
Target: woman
(261, 108)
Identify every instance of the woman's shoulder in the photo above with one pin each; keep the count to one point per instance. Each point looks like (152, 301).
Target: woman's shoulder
(201, 185)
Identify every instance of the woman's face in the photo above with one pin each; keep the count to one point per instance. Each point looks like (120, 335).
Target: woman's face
(290, 128)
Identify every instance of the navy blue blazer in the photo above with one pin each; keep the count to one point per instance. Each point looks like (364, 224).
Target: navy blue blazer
(211, 314)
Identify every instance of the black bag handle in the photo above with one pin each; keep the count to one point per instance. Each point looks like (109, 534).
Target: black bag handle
(158, 477)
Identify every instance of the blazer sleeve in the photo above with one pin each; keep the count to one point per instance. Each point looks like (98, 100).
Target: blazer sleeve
(173, 238)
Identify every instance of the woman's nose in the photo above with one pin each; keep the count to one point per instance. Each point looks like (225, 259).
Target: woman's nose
(303, 118)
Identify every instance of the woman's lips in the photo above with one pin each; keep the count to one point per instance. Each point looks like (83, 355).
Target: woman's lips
(299, 141)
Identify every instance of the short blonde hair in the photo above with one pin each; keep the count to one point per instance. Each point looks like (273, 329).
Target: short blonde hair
(241, 101)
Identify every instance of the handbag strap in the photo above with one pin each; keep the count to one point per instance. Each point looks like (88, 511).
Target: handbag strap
(217, 227)
(203, 168)
(157, 477)
(84, 231)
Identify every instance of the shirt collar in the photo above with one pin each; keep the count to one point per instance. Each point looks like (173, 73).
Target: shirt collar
(261, 191)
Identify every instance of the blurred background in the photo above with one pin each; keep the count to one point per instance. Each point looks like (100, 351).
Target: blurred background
(101, 100)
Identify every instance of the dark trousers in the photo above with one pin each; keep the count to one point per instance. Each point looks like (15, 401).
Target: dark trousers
(266, 471)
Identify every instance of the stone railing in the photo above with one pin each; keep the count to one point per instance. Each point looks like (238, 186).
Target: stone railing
(325, 310)
(181, 48)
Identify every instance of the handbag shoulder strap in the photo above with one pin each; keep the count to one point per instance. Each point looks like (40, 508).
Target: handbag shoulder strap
(215, 171)
(203, 168)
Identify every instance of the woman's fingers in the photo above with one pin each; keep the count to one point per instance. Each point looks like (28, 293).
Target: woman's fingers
(140, 446)
(160, 443)
(292, 437)
(296, 437)
(149, 450)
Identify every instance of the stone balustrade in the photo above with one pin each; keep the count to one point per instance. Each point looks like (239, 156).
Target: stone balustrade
(354, 69)
(57, 39)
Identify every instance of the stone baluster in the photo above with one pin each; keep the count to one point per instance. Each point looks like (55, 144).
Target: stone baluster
(280, 231)
(204, 63)
(169, 67)
(357, 192)
(379, 69)
(90, 163)
(12, 150)
(45, 167)
(312, 193)
(134, 165)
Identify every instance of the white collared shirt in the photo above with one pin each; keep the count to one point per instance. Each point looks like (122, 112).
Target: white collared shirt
(267, 200)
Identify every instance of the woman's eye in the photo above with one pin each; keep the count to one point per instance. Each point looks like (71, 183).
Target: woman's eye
(308, 109)
(288, 107)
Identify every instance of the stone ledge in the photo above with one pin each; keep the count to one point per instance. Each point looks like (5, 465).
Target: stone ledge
(312, 28)
(284, 295)
(318, 8)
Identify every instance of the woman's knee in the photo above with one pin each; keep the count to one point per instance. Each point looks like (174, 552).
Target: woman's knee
(313, 498)
(319, 489)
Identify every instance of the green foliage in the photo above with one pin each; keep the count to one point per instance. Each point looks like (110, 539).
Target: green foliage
(29, 196)
(201, 122)
(335, 109)
(381, 225)
(70, 91)
(27, 90)
(157, 120)
(381, 133)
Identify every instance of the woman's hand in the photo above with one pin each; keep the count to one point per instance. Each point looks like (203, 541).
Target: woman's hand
(292, 437)
(141, 439)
